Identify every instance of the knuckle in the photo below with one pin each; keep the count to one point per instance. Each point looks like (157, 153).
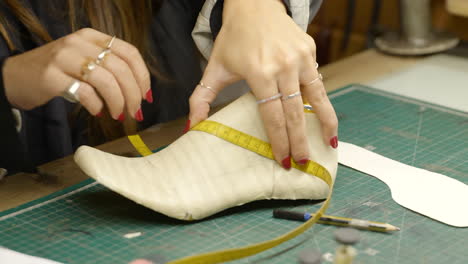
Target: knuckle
(108, 78)
(331, 123)
(311, 42)
(311, 47)
(320, 91)
(266, 72)
(318, 95)
(277, 122)
(70, 40)
(289, 62)
(85, 31)
(305, 50)
(120, 68)
(295, 117)
(132, 51)
(58, 55)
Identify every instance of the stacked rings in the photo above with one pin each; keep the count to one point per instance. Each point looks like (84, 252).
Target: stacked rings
(92, 64)
(287, 97)
(70, 93)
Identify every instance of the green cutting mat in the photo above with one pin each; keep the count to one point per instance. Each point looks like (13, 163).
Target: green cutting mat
(87, 223)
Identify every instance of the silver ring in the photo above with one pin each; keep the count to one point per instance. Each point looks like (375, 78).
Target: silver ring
(208, 87)
(271, 98)
(71, 93)
(109, 45)
(102, 56)
(316, 65)
(91, 66)
(105, 51)
(284, 98)
(308, 107)
(320, 77)
(88, 68)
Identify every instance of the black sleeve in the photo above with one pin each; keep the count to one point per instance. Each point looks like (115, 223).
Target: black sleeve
(216, 16)
(12, 155)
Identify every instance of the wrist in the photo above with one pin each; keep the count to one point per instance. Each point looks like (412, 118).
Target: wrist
(234, 9)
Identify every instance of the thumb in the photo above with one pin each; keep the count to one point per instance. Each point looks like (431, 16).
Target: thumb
(214, 79)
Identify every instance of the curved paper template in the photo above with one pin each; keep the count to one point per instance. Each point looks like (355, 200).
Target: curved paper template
(431, 194)
(199, 174)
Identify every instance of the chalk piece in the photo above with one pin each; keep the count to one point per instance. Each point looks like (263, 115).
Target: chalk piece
(310, 256)
(132, 235)
(347, 236)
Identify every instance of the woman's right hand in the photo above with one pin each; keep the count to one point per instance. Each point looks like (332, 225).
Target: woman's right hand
(122, 80)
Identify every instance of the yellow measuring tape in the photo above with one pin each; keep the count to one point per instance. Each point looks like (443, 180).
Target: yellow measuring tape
(262, 148)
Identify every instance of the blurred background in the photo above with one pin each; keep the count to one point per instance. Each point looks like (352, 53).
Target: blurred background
(345, 27)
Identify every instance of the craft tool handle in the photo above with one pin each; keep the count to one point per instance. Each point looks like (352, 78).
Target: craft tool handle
(291, 215)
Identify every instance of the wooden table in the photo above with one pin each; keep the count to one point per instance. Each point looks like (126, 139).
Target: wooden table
(21, 188)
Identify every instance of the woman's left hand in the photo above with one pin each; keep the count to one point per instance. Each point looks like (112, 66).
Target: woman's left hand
(260, 43)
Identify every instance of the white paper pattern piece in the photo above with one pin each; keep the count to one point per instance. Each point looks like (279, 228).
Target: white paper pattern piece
(432, 194)
(8, 256)
(439, 79)
(200, 174)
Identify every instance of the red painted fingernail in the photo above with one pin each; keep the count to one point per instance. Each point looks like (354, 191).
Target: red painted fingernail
(286, 162)
(121, 117)
(99, 114)
(303, 161)
(334, 142)
(187, 126)
(139, 115)
(149, 96)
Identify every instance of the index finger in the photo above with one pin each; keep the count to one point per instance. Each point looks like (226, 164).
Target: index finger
(274, 120)
(126, 52)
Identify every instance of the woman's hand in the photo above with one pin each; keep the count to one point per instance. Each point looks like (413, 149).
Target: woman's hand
(121, 81)
(260, 43)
